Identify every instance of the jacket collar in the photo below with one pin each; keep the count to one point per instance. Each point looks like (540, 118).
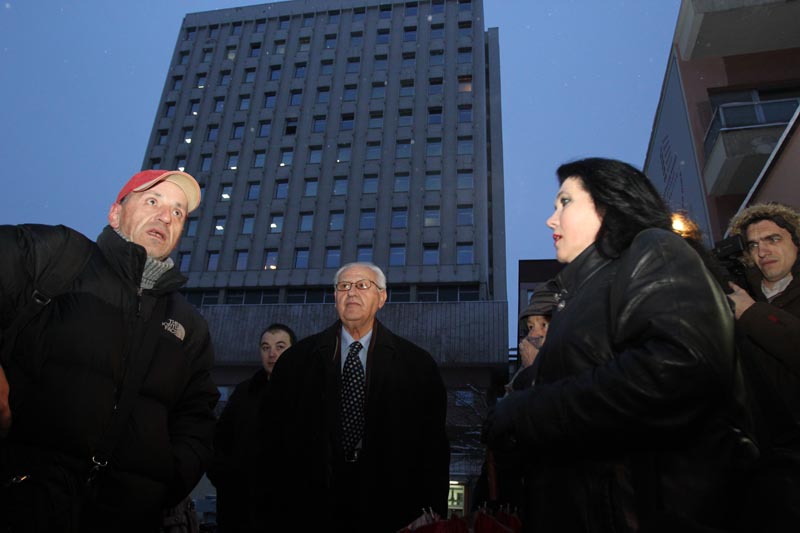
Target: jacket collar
(578, 272)
(128, 259)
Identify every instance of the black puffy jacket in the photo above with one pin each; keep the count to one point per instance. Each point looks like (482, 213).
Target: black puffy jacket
(68, 363)
(635, 422)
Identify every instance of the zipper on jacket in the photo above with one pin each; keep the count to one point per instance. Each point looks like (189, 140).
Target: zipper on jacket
(138, 302)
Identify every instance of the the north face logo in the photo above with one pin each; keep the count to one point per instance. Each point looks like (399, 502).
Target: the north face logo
(175, 328)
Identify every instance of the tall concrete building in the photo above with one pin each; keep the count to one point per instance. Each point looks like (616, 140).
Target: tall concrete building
(724, 133)
(329, 131)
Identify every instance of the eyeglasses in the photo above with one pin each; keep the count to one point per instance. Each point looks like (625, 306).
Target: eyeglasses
(362, 285)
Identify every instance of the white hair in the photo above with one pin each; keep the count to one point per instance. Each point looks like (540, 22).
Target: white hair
(380, 277)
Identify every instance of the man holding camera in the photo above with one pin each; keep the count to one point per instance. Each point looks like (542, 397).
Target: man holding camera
(768, 335)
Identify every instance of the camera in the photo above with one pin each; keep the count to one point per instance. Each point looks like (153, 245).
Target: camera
(728, 254)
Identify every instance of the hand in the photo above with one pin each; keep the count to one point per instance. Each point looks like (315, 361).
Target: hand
(498, 430)
(5, 409)
(740, 299)
(528, 350)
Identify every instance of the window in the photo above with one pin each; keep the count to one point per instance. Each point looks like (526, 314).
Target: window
(269, 100)
(191, 227)
(434, 147)
(270, 259)
(330, 41)
(301, 258)
(397, 255)
(250, 75)
(465, 55)
(219, 226)
(349, 94)
(405, 117)
(241, 259)
(232, 161)
(333, 17)
(219, 104)
(184, 258)
(358, 14)
(305, 44)
(339, 186)
(264, 128)
(436, 57)
(409, 60)
(225, 78)
(180, 163)
(276, 223)
(230, 52)
(290, 127)
(236, 28)
(155, 163)
(315, 155)
(308, 20)
(280, 46)
(464, 179)
(437, 6)
(406, 87)
(437, 31)
(194, 107)
(367, 219)
(375, 119)
(378, 90)
(326, 68)
(427, 294)
(255, 50)
(465, 84)
(237, 131)
(319, 123)
(169, 110)
(401, 181)
(333, 257)
(410, 34)
(464, 5)
(261, 25)
(177, 83)
(433, 180)
(343, 153)
(356, 38)
(275, 72)
(373, 151)
(403, 149)
(296, 97)
(432, 217)
(183, 58)
(205, 162)
(248, 224)
(370, 184)
(385, 12)
(435, 115)
(465, 29)
(464, 146)
(382, 37)
(336, 221)
(464, 216)
(281, 189)
(161, 137)
(346, 123)
(435, 86)
(306, 221)
(258, 158)
(253, 190)
(300, 70)
(225, 192)
(411, 9)
(381, 62)
(364, 254)
(212, 260)
(465, 113)
(430, 254)
(399, 217)
(464, 254)
(310, 187)
(323, 95)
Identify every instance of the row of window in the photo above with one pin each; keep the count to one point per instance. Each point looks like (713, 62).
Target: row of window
(411, 9)
(333, 257)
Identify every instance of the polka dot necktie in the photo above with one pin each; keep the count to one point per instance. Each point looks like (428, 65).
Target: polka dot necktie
(353, 385)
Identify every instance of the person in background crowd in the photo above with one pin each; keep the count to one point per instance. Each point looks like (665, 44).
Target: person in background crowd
(236, 448)
(357, 423)
(768, 334)
(64, 376)
(633, 418)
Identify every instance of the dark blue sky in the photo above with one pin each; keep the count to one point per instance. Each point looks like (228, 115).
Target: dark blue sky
(81, 80)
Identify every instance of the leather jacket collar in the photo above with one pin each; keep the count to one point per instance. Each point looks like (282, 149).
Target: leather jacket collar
(573, 276)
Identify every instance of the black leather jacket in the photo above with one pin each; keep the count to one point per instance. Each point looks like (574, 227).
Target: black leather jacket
(635, 420)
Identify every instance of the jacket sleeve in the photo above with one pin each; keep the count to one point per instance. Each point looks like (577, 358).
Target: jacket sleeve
(775, 330)
(672, 340)
(191, 424)
(16, 266)
(223, 468)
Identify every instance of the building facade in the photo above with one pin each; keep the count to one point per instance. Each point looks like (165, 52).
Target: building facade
(324, 132)
(723, 135)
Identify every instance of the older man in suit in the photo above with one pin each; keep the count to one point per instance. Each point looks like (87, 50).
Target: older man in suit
(356, 440)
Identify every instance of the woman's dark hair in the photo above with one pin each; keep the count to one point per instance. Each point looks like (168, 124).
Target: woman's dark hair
(625, 199)
(272, 328)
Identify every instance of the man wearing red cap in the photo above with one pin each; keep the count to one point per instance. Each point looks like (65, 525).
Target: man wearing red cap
(106, 400)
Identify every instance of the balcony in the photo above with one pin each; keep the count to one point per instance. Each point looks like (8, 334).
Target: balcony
(709, 28)
(739, 141)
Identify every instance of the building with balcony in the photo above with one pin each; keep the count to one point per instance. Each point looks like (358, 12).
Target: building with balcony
(324, 132)
(723, 132)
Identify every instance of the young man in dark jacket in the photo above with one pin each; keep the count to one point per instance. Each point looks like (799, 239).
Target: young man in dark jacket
(63, 372)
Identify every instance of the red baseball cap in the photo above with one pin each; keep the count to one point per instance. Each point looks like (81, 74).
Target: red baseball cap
(150, 178)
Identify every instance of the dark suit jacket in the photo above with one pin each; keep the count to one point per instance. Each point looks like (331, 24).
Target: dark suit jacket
(404, 464)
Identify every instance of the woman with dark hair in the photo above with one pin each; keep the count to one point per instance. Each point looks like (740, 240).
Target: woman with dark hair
(633, 419)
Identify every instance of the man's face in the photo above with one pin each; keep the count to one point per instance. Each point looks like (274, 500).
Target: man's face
(537, 328)
(357, 308)
(153, 218)
(273, 344)
(772, 250)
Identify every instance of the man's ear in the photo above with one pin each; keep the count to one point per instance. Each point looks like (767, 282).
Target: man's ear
(382, 299)
(114, 213)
